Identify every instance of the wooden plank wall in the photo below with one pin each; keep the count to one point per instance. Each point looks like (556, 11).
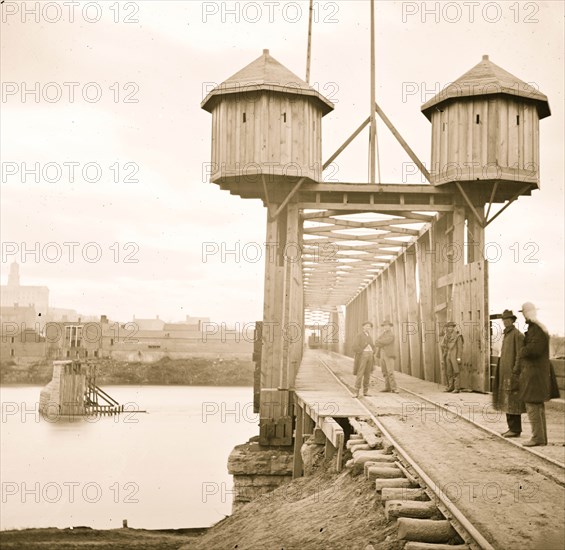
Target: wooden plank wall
(281, 133)
(427, 285)
(469, 304)
(73, 386)
(504, 139)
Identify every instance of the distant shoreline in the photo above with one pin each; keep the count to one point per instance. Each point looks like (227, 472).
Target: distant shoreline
(193, 371)
(86, 537)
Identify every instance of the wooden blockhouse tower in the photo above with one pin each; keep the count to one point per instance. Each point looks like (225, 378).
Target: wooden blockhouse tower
(485, 130)
(267, 123)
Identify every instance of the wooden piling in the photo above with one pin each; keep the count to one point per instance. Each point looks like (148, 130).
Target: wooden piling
(425, 530)
(410, 509)
(431, 546)
(379, 472)
(400, 482)
(392, 493)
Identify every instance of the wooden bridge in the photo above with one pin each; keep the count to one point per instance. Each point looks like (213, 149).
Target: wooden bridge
(342, 253)
(339, 254)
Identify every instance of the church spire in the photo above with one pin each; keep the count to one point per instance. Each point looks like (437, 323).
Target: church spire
(14, 276)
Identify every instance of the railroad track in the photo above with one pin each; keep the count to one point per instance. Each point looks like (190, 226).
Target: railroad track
(484, 428)
(453, 412)
(461, 524)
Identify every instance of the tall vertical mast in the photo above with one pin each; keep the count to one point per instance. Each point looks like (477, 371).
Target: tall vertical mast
(373, 126)
(309, 49)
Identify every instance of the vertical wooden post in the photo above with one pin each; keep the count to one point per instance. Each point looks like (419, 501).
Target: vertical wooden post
(283, 328)
(403, 364)
(373, 122)
(307, 425)
(412, 327)
(309, 48)
(456, 259)
(475, 236)
(298, 440)
(427, 314)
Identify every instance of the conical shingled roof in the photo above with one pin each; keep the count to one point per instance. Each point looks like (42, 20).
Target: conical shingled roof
(486, 78)
(265, 73)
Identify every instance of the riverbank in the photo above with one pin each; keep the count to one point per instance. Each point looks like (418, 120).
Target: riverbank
(85, 537)
(231, 370)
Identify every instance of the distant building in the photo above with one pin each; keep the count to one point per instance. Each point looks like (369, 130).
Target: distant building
(20, 315)
(14, 294)
(80, 339)
(23, 348)
(62, 314)
(197, 321)
(149, 324)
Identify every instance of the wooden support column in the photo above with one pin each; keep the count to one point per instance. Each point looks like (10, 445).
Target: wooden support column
(297, 466)
(282, 326)
(398, 266)
(292, 318)
(307, 426)
(427, 314)
(411, 328)
(371, 304)
(475, 236)
(455, 258)
(379, 300)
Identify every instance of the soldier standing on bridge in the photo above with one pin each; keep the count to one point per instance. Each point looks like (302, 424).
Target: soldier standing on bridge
(505, 385)
(385, 343)
(364, 349)
(535, 375)
(451, 350)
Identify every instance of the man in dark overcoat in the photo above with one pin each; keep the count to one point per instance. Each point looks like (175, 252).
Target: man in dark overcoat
(364, 349)
(387, 355)
(505, 386)
(534, 372)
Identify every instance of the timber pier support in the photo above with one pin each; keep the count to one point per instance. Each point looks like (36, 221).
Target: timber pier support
(73, 392)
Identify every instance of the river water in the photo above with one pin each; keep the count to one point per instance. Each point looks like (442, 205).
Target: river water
(166, 468)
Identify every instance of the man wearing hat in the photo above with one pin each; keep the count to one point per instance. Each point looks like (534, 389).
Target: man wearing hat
(385, 344)
(364, 349)
(505, 386)
(535, 372)
(451, 351)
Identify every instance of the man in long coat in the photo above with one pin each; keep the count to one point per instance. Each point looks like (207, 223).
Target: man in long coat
(387, 354)
(363, 364)
(451, 351)
(505, 386)
(534, 371)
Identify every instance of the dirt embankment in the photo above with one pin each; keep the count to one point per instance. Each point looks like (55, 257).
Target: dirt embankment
(324, 511)
(196, 371)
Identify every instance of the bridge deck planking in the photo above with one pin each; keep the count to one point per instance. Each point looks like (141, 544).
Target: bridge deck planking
(321, 394)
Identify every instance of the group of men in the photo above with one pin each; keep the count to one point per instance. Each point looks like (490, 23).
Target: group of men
(523, 381)
(366, 351)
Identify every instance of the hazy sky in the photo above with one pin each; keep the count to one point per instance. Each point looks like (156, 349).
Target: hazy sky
(137, 139)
